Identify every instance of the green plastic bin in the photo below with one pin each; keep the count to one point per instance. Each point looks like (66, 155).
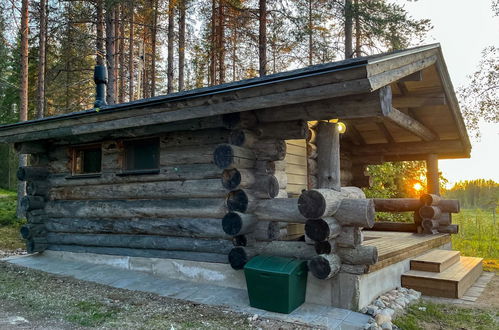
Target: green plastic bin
(276, 284)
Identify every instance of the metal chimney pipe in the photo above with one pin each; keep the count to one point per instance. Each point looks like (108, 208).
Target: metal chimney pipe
(100, 79)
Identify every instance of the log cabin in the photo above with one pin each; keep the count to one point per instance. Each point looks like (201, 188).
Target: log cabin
(273, 165)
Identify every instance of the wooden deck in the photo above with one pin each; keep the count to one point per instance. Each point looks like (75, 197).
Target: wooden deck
(397, 246)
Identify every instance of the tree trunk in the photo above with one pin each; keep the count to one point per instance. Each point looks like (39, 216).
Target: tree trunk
(99, 42)
(23, 97)
(310, 34)
(110, 53)
(122, 55)
(221, 43)
(181, 45)
(169, 87)
(358, 32)
(348, 29)
(262, 37)
(213, 43)
(130, 53)
(40, 106)
(153, 46)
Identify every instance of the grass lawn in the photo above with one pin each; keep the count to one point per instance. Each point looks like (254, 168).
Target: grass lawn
(9, 224)
(478, 236)
(427, 315)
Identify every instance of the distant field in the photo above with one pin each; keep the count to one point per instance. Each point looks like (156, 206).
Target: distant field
(478, 236)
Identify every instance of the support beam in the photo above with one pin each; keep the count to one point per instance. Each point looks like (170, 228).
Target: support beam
(410, 124)
(328, 156)
(432, 175)
(416, 101)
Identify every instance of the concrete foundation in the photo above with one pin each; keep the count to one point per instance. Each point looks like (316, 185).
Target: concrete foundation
(349, 291)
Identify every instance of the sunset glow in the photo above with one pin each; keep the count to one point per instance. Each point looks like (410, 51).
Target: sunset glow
(417, 186)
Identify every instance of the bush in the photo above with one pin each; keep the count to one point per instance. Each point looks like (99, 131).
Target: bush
(8, 202)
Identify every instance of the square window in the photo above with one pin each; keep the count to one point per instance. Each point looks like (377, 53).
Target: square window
(142, 154)
(87, 159)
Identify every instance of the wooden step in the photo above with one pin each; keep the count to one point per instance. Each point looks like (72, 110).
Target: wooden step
(435, 260)
(451, 283)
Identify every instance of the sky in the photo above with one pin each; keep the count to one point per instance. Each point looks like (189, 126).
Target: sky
(464, 28)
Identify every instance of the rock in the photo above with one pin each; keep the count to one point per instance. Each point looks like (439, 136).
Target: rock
(404, 290)
(363, 310)
(382, 318)
(371, 310)
(386, 326)
(387, 311)
(379, 303)
(412, 297)
(396, 307)
(401, 302)
(415, 293)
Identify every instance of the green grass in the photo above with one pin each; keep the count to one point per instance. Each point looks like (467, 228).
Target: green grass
(9, 224)
(478, 236)
(91, 314)
(426, 315)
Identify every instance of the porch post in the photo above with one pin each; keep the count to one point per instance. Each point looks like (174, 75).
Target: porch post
(432, 175)
(328, 156)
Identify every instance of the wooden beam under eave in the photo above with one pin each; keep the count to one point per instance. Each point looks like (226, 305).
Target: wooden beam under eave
(412, 150)
(410, 124)
(416, 101)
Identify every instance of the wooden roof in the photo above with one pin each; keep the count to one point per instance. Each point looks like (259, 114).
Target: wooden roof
(400, 105)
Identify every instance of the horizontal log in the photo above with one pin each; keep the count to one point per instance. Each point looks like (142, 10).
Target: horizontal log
(396, 204)
(360, 255)
(324, 266)
(356, 212)
(279, 209)
(167, 173)
(245, 119)
(144, 253)
(325, 247)
(286, 130)
(270, 166)
(219, 246)
(243, 138)
(322, 229)
(30, 147)
(271, 149)
(450, 229)
(187, 155)
(36, 216)
(395, 226)
(445, 219)
(319, 203)
(166, 208)
(266, 185)
(194, 138)
(236, 223)
(265, 231)
(209, 188)
(239, 256)
(29, 231)
(449, 205)
(29, 203)
(430, 199)
(37, 188)
(30, 173)
(230, 156)
(430, 212)
(183, 227)
(349, 237)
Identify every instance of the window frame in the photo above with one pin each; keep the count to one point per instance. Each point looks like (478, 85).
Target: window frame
(74, 161)
(126, 154)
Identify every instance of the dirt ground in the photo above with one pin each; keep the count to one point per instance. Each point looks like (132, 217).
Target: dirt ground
(31, 299)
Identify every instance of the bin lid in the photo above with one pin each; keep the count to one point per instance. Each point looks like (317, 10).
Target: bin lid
(274, 264)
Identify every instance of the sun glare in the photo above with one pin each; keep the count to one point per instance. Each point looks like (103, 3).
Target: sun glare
(418, 186)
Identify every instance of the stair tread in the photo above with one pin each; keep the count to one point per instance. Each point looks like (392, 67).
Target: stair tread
(454, 273)
(435, 260)
(436, 256)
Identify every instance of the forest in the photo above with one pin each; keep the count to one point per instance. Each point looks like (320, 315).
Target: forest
(48, 50)
(473, 194)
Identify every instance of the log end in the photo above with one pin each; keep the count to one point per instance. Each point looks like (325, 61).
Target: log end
(25, 231)
(21, 174)
(238, 258)
(324, 247)
(231, 178)
(33, 246)
(223, 155)
(311, 204)
(324, 266)
(317, 229)
(237, 200)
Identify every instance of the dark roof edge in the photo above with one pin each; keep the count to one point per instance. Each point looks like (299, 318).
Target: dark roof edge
(232, 86)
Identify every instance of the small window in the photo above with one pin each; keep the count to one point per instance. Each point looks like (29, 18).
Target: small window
(142, 154)
(87, 159)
